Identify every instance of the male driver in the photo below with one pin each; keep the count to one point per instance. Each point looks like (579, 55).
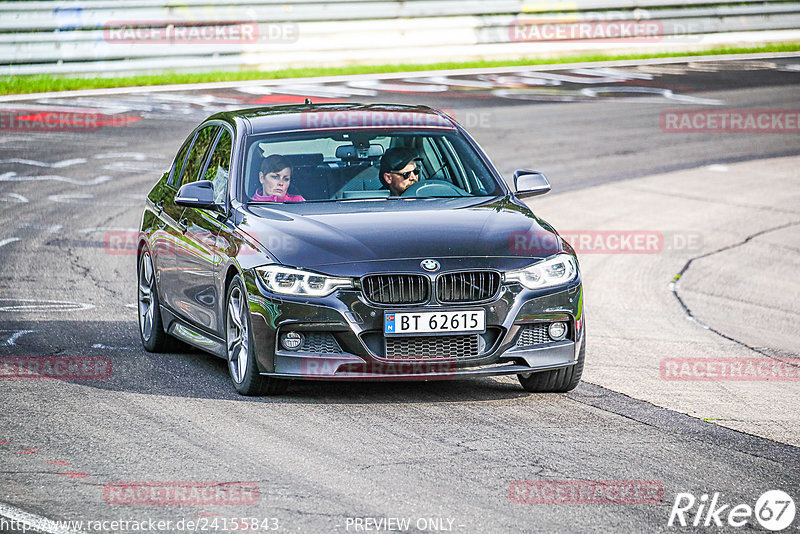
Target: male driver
(398, 170)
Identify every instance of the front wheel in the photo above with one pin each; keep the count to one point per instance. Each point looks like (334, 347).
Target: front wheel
(239, 342)
(557, 380)
(151, 331)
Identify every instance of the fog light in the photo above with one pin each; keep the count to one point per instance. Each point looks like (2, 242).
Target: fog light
(557, 331)
(291, 340)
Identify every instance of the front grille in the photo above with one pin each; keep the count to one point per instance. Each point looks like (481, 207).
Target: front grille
(396, 288)
(473, 286)
(320, 343)
(432, 347)
(533, 334)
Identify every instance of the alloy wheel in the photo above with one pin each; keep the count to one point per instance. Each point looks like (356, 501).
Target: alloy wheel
(146, 305)
(237, 335)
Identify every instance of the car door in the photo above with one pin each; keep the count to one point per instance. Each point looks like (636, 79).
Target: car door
(173, 216)
(165, 237)
(199, 263)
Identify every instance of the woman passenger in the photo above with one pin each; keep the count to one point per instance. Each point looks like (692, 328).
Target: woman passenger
(275, 177)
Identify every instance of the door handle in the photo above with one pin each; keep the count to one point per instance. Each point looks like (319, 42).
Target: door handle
(160, 205)
(183, 225)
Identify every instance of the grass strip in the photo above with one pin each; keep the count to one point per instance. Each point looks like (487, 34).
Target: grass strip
(46, 82)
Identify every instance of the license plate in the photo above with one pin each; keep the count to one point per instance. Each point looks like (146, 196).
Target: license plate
(439, 322)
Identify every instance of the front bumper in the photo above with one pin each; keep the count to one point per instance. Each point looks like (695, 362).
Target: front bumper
(357, 326)
(350, 367)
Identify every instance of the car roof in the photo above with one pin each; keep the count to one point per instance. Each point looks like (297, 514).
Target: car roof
(311, 117)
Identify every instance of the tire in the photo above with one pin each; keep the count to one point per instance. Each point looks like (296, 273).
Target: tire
(557, 380)
(242, 365)
(151, 329)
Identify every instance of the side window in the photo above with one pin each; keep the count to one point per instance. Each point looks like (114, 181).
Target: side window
(436, 161)
(177, 165)
(453, 159)
(196, 157)
(219, 165)
(431, 156)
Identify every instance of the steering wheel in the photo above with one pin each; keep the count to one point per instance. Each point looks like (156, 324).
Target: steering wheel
(434, 188)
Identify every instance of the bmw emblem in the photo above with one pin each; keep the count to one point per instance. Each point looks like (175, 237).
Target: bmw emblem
(430, 265)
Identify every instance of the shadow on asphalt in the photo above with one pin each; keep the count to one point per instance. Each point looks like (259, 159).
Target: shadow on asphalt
(196, 374)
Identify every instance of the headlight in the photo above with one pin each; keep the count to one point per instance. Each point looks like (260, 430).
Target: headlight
(555, 271)
(287, 281)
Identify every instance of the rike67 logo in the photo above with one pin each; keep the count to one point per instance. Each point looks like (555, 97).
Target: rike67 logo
(774, 510)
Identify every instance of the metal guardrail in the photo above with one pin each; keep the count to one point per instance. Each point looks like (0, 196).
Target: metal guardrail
(100, 36)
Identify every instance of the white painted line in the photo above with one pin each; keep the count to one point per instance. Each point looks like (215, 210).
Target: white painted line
(39, 106)
(56, 165)
(392, 75)
(458, 82)
(665, 93)
(52, 228)
(14, 177)
(594, 77)
(138, 156)
(134, 167)
(717, 168)
(40, 305)
(16, 334)
(95, 229)
(309, 90)
(107, 347)
(33, 521)
(71, 197)
(614, 73)
(377, 85)
(16, 198)
(82, 198)
(9, 240)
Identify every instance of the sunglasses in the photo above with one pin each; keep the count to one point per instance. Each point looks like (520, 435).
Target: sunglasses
(405, 175)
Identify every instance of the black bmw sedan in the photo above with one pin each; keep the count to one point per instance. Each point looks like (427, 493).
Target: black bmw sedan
(355, 242)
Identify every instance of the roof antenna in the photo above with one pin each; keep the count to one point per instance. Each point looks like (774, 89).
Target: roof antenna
(308, 100)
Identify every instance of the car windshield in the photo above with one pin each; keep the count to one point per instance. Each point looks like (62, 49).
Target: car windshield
(346, 165)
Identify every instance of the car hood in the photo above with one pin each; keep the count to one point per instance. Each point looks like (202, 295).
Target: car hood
(317, 235)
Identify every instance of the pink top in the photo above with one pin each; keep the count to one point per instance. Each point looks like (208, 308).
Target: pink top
(275, 198)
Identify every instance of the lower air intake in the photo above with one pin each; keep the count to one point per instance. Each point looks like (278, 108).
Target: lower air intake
(432, 347)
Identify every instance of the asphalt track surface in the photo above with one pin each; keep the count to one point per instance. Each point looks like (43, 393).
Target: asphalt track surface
(442, 454)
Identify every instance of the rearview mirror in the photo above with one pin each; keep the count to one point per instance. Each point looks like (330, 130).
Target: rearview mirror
(196, 195)
(359, 152)
(530, 184)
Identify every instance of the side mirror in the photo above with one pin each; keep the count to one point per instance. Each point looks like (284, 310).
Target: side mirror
(196, 195)
(530, 184)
